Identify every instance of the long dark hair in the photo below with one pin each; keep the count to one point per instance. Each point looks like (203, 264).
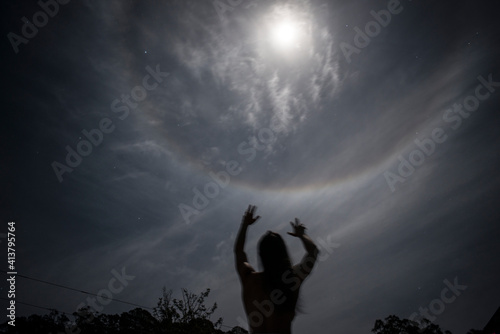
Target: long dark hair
(276, 263)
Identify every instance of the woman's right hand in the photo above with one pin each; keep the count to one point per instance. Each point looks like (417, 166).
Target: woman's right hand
(298, 229)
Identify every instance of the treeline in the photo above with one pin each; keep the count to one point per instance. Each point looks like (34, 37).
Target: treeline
(187, 315)
(394, 325)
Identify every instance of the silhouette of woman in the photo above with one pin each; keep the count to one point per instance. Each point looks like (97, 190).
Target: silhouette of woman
(270, 297)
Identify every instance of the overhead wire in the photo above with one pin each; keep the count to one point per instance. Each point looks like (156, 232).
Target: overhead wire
(78, 290)
(73, 289)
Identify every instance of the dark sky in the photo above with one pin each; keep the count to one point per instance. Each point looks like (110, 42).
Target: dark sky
(384, 142)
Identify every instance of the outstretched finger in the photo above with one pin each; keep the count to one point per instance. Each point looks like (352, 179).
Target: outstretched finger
(251, 209)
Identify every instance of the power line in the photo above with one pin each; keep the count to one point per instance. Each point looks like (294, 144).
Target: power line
(41, 307)
(66, 313)
(81, 291)
(73, 289)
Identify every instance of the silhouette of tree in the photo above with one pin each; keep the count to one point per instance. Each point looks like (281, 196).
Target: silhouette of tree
(171, 316)
(393, 325)
(165, 311)
(185, 313)
(37, 324)
(237, 330)
(136, 321)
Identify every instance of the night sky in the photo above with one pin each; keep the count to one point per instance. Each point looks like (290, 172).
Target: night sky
(136, 133)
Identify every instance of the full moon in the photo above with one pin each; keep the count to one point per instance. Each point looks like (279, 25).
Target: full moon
(285, 34)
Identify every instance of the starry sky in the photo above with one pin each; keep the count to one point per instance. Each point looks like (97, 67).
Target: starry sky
(136, 133)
